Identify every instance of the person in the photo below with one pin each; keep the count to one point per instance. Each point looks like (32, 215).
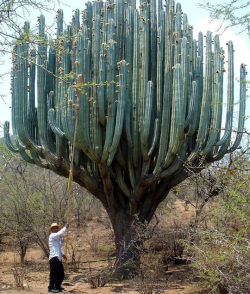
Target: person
(55, 257)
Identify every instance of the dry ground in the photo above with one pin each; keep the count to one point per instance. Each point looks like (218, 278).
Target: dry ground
(94, 243)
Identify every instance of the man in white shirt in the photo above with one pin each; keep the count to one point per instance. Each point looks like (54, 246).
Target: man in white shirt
(55, 258)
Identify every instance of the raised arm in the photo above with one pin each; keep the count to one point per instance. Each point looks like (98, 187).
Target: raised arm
(57, 235)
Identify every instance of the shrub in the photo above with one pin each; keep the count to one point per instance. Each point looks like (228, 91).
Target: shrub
(221, 254)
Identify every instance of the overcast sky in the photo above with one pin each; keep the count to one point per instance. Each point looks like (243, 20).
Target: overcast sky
(198, 17)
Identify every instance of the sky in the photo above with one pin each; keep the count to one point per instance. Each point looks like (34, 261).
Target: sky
(198, 18)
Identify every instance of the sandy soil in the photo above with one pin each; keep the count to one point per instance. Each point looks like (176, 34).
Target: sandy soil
(177, 281)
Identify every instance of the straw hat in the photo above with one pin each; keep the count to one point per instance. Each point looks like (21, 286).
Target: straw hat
(54, 225)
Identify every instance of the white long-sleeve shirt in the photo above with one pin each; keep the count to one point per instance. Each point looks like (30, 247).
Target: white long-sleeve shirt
(55, 244)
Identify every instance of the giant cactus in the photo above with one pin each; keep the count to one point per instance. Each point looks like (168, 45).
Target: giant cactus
(150, 104)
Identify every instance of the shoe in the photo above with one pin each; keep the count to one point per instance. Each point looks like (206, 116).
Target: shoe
(53, 290)
(61, 289)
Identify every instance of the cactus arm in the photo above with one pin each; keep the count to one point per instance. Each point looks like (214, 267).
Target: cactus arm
(144, 52)
(155, 137)
(111, 100)
(206, 101)
(52, 122)
(159, 8)
(96, 128)
(147, 120)
(120, 112)
(58, 47)
(25, 156)
(71, 116)
(193, 115)
(59, 29)
(194, 58)
(177, 163)
(82, 70)
(23, 153)
(199, 77)
(42, 112)
(7, 139)
(165, 124)
(60, 85)
(41, 99)
(145, 167)
(132, 3)
(159, 86)
(178, 117)
(216, 104)
(128, 123)
(101, 88)
(50, 70)
(166, 105)
(88, 19)
(13, 92)
(159, 81)
(131, 170)
(84, 117)
(177, 38)
(119, 157)
(242, 109)
(120, 21)
(153, 39)
(230, 97)
(129, 59)
(120, 181)
(185, 70)
(192, 105)
(135, 93)
(37, 160)
(69, 121)
(76, 21)
(21, 97)
(31, 100)
(185, 25)
(175, 166)
(164, 131)
(61, 111)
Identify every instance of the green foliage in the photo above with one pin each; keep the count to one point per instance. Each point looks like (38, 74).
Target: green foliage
(222, 250)
(29, 204)
(31, 199)
(234, 13)
(13, 12)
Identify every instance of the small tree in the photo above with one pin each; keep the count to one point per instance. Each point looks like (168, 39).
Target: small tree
(234, 13)
(221, 250)
(198, 191)
(12, 14)
(30, 201)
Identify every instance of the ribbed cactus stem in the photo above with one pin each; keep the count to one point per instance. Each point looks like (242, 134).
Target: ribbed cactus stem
(7, 139)
(242, 109)
(230, 96)
(147, 121)
(120, 111)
